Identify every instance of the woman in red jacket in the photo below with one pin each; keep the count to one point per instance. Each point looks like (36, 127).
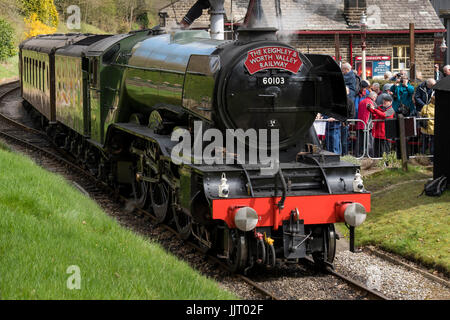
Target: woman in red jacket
(385, 111)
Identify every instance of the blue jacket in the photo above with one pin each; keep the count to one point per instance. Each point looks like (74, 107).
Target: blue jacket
(402, 94)
(358, 98)
(422, 96)
(350, 82)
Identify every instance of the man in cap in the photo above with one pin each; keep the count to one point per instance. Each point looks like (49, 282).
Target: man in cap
(386, 91)
(438, 75)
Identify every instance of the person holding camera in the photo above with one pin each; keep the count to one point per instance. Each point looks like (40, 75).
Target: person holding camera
(402, 73)
(402, 92)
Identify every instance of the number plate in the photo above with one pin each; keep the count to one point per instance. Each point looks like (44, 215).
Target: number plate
(272, 81)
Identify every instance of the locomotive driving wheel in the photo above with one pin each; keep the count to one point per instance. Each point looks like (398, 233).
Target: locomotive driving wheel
(237, 250)
(159, 196)
(141, 191)
(183, 222)
(326, 257)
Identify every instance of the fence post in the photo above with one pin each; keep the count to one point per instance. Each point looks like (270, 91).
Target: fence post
(403, 151)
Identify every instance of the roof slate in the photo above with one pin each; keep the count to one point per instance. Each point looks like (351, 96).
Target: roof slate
(327, 15)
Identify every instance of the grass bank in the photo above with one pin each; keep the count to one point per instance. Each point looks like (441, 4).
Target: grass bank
(9, 69)
(47, 226)
(403, 223)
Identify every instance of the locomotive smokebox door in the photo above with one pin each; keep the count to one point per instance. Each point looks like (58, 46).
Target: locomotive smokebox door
(294, 238)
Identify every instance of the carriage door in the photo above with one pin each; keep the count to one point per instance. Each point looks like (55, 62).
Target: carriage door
(94, 92)
(86, 95)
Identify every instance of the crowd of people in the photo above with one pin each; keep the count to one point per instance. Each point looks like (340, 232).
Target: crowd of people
(371, 105)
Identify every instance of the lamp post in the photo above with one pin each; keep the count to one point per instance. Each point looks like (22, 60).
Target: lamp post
(363, 24)
(443, 46)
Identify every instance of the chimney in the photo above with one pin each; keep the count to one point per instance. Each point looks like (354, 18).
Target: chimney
(353, 10)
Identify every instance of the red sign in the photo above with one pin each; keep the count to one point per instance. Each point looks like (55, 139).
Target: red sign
(374, 58)
(273, 58)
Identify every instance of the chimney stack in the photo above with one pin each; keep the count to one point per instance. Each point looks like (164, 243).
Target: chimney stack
(353, 10)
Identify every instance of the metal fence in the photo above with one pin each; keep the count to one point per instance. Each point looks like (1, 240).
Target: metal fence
(358, 139)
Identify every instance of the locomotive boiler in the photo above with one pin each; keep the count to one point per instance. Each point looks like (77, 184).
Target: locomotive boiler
(115, 101)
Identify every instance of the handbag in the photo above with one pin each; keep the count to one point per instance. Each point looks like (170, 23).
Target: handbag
(404, 110)
(423, 124)
(436, 187)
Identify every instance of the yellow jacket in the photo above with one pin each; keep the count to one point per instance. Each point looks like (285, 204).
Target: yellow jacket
(428, 112)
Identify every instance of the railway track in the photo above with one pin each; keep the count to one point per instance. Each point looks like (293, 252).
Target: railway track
(34, 140)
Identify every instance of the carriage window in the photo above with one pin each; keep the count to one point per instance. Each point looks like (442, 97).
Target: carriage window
(24, 68)
(39, 75)
(33, 71)
(43, 76)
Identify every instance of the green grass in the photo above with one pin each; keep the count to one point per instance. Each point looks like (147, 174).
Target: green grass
(46, 226)
(403, 223)
(391, 176)
(9, 68)
(85, 28)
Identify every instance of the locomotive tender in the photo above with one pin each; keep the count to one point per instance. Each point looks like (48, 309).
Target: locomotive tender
(113, 101)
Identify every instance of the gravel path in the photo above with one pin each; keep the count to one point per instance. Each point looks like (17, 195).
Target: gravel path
(396, 282)
(301, 282)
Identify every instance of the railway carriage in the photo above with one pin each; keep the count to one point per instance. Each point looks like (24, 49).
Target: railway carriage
(114, 101)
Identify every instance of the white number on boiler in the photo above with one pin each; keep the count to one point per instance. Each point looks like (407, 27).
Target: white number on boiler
(273, 80)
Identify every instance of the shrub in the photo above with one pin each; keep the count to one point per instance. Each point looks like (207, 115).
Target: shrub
(143, 20)
(7, 48)
(390, 160)
(44, 9)
(383, 82)
(36, 27)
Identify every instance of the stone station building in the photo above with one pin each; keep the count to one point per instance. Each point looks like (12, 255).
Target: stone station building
(314, 26)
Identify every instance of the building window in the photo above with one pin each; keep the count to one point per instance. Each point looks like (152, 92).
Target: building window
(356, 4)
(400, 58)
